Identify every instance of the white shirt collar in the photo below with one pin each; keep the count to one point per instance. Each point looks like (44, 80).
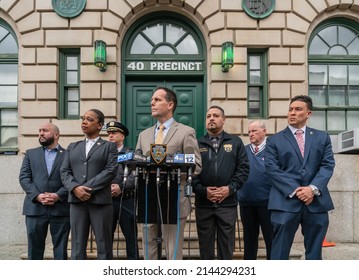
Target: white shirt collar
(293, 129)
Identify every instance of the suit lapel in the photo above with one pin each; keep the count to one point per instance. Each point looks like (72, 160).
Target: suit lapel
(82, 147)
(42, 159)
(95, 146)
(290, 137)
(309, 134)
(150, 137)
(59, 155)
(170, 132)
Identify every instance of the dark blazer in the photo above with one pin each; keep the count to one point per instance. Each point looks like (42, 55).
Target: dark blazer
(287, 169)
(96, 171)
(35, 180)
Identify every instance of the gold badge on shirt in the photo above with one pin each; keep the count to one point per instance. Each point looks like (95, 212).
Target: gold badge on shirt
(227, 148)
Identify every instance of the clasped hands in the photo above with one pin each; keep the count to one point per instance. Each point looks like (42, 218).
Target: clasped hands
(305, 194)
(82, 192)
(217, 194)
(47, 198)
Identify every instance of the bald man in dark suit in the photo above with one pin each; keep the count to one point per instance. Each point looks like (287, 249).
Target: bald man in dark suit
(45, 204)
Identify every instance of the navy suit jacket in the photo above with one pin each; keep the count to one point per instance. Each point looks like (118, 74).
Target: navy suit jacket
(287, 169)
(35, 180)
(96, 171)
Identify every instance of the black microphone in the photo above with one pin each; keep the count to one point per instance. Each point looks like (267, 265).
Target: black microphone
(168, 180)
(190, 159)
(138, 156)
(158, 175)
(188, 186)
(179, 176)
(145, 171)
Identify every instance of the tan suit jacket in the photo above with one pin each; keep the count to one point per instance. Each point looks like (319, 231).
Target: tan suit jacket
(179, 139)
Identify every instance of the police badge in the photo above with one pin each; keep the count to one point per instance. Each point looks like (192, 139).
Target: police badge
(158, 153)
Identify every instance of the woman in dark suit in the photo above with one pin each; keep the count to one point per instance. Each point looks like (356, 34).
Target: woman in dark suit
(87, 172)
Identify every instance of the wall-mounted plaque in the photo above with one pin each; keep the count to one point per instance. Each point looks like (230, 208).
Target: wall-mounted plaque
(258, 8)
(68, 8)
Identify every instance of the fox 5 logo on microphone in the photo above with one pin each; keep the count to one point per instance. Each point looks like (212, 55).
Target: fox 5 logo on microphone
(124, 157)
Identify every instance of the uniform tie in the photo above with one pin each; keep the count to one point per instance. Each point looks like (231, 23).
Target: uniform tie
(160, 134)
(215, 143)
(300, 140)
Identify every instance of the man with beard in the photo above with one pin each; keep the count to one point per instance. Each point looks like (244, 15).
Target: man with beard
(45, 203)
(225, 168)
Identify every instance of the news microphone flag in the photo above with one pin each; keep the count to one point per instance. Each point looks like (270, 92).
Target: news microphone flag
(125, 157)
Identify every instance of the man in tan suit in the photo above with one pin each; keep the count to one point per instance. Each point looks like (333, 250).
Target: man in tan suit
(179, 138)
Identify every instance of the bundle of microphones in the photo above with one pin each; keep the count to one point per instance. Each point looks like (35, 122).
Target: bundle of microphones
(135, 160)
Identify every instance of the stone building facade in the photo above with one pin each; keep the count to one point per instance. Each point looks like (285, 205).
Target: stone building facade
(280, 40)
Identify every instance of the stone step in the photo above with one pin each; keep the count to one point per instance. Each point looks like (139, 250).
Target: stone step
(189, 238)
(193, 254)
(190, 245)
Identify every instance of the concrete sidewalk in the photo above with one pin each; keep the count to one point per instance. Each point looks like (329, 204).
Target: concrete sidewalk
(342, 251)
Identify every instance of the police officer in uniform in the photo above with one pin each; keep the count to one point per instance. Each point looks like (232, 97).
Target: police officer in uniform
(123, 194)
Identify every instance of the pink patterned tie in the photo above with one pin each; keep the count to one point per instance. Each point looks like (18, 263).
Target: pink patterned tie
(300, 140)
(256, 149)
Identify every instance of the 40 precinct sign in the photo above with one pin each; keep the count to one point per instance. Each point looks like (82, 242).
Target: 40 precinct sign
(174, 66)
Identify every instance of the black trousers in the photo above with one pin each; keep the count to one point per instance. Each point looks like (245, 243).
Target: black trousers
(37, 228)
(216, 223)
(253, 218)
(124, 214)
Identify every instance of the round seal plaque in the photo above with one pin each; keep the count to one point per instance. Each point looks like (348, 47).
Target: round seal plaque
(68, 8)
(258, 8)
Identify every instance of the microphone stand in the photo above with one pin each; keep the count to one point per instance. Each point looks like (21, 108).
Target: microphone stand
(168, 194)
(159, 224)
(147, 179)
(134, 212)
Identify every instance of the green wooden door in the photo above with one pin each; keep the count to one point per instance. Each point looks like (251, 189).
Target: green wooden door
(136, 107)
